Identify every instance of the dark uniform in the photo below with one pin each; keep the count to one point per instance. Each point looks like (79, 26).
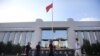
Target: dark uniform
(51, 49)
(28, 48)
(38, 47)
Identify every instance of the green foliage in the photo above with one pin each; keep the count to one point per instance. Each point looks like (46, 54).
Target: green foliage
(91, 49)
(18, 48)
(98, 47)
(86, 46)
(10, 48)
(2, 47)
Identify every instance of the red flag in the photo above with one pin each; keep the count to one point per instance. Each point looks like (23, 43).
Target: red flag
(49, 7)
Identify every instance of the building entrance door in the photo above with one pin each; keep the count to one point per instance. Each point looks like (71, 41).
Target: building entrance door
(58, 43)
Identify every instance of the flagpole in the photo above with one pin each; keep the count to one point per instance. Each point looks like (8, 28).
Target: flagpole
(52, 21)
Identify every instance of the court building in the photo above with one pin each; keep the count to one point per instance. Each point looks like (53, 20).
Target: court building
(63, 33)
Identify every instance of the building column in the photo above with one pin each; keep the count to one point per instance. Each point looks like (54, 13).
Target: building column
(71, 38)
(36, 38)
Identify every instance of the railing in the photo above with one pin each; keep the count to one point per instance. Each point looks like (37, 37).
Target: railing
(60, 52)
(45, 52)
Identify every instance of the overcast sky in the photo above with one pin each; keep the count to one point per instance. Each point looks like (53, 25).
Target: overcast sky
(30, 10)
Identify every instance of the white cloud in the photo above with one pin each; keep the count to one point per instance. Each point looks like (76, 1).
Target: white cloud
(89, 19)
(16, 13)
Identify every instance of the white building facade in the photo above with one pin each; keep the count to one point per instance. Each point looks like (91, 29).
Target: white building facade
(33, 32)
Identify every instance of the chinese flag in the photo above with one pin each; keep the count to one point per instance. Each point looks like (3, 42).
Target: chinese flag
(48, 7)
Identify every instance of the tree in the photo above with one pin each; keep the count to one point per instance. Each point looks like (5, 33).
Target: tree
(2, 47)
(87, 46)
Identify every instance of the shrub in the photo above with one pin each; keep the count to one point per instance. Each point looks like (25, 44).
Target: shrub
(10, 48)
(18, 48)
(91, 49)
(86, 46)
(2, 47)
(98, 48)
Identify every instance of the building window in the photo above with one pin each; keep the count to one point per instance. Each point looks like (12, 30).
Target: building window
(6, 37)
(95, 36)
(12, 36)
(97, 33)
(82, 33)
(23, 38)
(59, 38)
(49, 34)
(2, 36)
(28, 37)
(17, 37)
(92, 37)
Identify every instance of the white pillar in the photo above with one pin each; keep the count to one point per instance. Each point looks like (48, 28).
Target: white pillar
(37, 37)
(71, 38)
